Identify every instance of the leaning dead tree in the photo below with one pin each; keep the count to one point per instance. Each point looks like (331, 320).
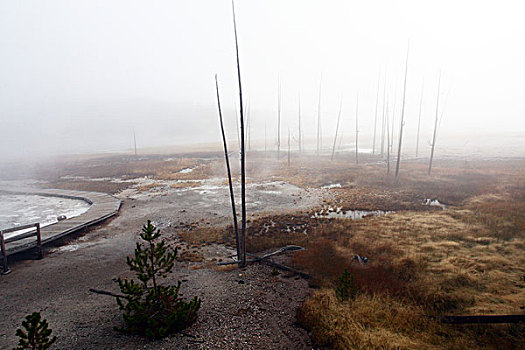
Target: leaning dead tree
(357, 130)
(337, 126)
(435, 127)
(419, 119)
(232, 196)
(402, 123)
(319, 141)
(242, 238)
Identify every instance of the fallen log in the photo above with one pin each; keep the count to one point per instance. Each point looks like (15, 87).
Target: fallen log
(278, 266)
(103, 292)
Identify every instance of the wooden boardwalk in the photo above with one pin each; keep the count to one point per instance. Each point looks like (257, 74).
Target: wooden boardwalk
(103, 206)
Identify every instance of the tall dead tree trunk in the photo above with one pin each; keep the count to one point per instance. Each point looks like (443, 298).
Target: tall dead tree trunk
(279, 118)
(402, 123)
(319, 118)
(357, 130)
(337, 126)
(419, 119)
(390, 144)
(300, 132)
(435, 127)
(248, 126)
(388, 140)
(135, 141)
(289, 150)
(242, 239)
(238, 129)
(383, 121)
(232, 196)
(375, 114)
(265, 145)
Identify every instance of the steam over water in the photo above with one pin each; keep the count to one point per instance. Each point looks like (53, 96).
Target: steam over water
(16, 210)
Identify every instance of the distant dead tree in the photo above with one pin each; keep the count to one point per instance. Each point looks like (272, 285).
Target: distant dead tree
(248, 125)
(337, 126)
(232, 196)
(242, 239)
(375, 115)
(265, 144)
(289, 149)
(419, 119)
(319, 136)
(402, 123)
(435, 127)
(238, 129)
(357, 130)
(278, 118)
(135, 141)
(383, 121)
(388, 145)
(299, 128)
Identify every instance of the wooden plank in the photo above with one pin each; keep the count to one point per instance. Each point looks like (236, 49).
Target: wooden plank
(18, 228)
(481, 319)
(20, 237)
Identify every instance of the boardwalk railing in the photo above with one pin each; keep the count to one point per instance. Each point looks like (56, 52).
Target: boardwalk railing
(34, 231)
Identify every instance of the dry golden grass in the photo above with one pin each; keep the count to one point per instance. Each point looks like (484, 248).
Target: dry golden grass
(467, 259)
(383, 322)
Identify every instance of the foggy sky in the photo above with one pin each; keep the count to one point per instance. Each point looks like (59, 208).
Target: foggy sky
(79, 76)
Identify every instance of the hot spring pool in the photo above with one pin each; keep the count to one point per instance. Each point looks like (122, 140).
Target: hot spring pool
(22, 209)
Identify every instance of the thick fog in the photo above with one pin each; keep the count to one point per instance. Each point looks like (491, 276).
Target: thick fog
(80, 76)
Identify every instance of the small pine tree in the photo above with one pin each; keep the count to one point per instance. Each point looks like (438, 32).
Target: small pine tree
(151, 309)
(346, 288)
(36, 336)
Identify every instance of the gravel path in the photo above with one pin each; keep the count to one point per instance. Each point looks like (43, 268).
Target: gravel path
(256, 313)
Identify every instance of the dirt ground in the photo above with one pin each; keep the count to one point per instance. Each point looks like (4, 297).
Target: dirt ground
(248, 309)
(187, 195)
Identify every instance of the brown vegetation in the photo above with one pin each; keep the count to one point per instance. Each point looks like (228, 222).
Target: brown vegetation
(423, 261)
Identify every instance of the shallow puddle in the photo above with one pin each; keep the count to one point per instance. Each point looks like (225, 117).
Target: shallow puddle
(338, 213)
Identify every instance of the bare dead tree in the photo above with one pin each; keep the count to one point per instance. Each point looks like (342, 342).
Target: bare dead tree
(419, 119)
(232, 196)
(435, 127)
(383, 120)
(388, 140)
(248, 125)
(319, 141)
(402, 123)
(242, 240)
(357, 130)
(375, 115)
(279, 118)
(238, 130)
(135, 141)
(265, 136)
(300, 132)
(289, 150)
(337, 126)
(392, 125)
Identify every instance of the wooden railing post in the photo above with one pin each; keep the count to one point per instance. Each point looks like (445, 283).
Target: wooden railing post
(39, 241)
(4, 253)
